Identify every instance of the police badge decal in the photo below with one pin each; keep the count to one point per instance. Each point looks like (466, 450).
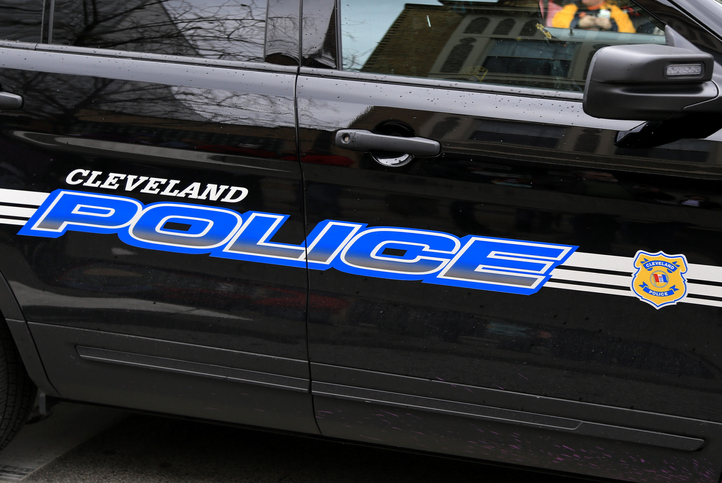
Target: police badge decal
(659, 279)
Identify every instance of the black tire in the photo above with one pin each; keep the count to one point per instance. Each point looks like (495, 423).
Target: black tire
(17, 391)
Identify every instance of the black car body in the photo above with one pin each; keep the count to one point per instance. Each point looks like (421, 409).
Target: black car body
(445, 225)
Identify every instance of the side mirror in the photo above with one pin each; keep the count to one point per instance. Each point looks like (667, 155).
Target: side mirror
(649, 82)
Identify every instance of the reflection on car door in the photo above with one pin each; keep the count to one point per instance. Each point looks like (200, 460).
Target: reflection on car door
(137, 166)
(500, 299)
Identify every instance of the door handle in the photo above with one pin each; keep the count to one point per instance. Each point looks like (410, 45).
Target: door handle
(10, 101)
(361, 140)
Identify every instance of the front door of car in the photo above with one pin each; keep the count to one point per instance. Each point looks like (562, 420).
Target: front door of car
(506, 281)
(153, 154)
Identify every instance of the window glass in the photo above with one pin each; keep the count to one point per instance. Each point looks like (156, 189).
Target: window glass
(537, 43)
(21, 20)
(216, 29)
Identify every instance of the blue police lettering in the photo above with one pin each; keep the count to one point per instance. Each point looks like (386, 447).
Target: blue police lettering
(327, 240)
(397, 253)
(503, 265)
(251, 243)
(183, 228)
(77, 211)
(481, 263)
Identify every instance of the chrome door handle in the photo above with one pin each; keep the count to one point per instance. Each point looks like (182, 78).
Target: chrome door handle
(361, 140)
(10, 101)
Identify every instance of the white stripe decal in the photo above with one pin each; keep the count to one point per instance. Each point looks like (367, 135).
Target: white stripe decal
(711, 303)
(561, 275)
(627, 293)
(708, 273)
(20, 197)
(17, 211)
(586, 288)
(708, 290)
(591, 277)
(8, 221)
(624, 265)
(600, 262)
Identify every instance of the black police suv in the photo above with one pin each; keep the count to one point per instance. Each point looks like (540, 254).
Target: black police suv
(483, 228)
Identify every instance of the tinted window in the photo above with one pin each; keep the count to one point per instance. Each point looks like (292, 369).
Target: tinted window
(216, 29)
(539, 44)
(21, 20)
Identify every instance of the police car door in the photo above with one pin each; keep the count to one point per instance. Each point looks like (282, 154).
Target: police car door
(147, 151)
(514, 285)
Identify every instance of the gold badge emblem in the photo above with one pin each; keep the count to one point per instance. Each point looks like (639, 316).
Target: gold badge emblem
(659, 279)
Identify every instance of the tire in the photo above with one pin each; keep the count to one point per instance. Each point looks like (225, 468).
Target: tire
(17, 391)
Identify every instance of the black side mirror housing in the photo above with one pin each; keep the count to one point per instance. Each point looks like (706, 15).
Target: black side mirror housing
(649, 82)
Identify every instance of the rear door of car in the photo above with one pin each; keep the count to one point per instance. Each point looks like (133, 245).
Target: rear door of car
(494, 295)
(149, 158)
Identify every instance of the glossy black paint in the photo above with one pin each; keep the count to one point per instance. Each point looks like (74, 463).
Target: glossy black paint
(527, 168)
(590, 381)
(215, 154)
(554, 344)
(190, 380)
(516, 191)
(496, 440)
(204, 121)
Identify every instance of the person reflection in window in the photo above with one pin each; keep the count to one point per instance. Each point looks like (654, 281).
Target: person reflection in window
(593, 15)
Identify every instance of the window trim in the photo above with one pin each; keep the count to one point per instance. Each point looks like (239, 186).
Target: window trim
(442, 84)
(139, 56)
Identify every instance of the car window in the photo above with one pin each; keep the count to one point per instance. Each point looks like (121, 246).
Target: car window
(538, 43)
(21, 20)
(215, 29)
